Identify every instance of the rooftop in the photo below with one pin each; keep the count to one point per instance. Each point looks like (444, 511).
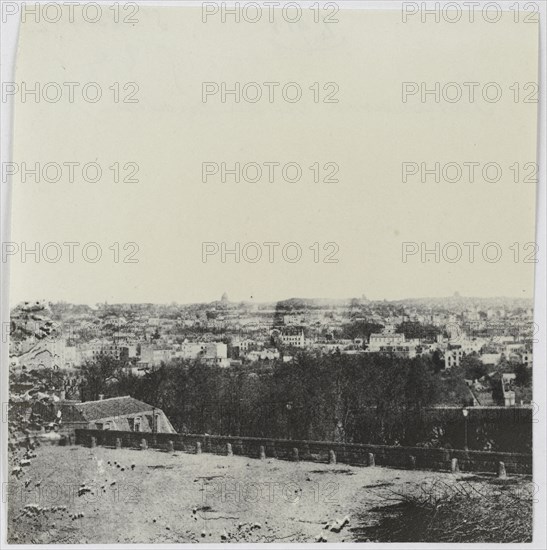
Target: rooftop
(113, 406)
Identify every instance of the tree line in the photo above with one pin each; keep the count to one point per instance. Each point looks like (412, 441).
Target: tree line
(353, 398)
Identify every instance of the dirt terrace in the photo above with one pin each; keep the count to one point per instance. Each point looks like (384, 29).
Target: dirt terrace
(70, 495)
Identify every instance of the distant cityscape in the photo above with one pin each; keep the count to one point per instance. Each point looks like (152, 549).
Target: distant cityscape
(496, 332)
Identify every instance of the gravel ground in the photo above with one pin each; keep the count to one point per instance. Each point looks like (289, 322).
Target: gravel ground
(69, 495)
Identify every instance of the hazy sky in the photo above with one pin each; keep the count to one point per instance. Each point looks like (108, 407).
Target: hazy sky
(366, 136)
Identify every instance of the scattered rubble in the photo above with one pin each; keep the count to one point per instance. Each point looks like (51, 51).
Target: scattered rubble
(83, 490)
(338, 525)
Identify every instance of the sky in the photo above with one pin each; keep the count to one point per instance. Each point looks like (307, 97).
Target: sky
(350, 225)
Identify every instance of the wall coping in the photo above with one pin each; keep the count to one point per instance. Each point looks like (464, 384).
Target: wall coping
(303, 442)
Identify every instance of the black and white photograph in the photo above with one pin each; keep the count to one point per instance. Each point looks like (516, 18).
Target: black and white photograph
(273, 274)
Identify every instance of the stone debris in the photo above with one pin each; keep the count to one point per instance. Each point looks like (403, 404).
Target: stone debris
(83, 490)
(251, 531)
(32, 509)
(339, 524)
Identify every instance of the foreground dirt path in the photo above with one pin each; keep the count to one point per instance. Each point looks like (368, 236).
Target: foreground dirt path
(131, 496)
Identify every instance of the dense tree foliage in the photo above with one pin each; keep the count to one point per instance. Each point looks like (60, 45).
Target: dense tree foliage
(472, 367)
(360, 329)
(414, 329)
(371, 398)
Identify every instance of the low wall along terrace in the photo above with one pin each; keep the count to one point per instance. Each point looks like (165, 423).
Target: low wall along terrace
(314, 451)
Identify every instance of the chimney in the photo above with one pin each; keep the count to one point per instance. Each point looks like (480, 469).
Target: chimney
(101, 396)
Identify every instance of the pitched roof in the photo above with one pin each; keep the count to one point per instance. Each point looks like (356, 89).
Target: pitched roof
(114, 406)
